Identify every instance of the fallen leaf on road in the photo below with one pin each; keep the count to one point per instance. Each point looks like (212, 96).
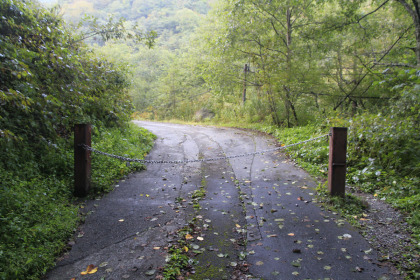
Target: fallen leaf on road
(359, 269)
(368, 251)
(291, 234)
(150, 272)
(296, 263)
(121, 220)
(89, 270)
(346, 236)
(259, 263)
(188, 236)
(103, 264)
(200, 238)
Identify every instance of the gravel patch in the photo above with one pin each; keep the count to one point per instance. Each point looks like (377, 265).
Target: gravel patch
(386, 229)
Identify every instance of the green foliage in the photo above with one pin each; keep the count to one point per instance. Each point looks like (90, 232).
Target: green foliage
(130, 141)
(36, 219)
(48, 83)
(176, 261)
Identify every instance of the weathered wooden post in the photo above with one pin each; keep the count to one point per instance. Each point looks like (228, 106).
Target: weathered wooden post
(82, 160)
(337, 161)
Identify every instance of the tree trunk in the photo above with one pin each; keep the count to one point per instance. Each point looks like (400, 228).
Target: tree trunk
(415, 15)
(290, 105)
(272, 106)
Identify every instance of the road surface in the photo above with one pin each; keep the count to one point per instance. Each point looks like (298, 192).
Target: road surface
(257, 220)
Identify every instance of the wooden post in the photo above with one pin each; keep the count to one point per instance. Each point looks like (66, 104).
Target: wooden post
(82, 159)
(337, 161)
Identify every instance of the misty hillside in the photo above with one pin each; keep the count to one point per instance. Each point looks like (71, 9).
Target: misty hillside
(166, 17)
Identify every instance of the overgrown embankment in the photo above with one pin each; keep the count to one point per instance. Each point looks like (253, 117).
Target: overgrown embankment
(49, 81)
(37, 208)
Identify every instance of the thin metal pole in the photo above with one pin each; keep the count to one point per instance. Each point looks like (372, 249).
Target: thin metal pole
(82, 159)
(337, 161)
(246, 70)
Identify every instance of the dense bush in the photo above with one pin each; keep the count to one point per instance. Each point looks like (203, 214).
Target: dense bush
(49, 81)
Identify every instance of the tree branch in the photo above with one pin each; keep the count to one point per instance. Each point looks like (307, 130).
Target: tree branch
(374, 11)
(360, 19)
(364, 76)
(396, 65)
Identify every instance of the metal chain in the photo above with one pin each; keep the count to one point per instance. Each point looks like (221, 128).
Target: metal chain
(199, 160)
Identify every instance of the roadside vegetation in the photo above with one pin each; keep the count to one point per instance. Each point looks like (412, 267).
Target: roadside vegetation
(49, 80)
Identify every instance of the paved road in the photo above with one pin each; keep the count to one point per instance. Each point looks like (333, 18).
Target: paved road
(260, 207)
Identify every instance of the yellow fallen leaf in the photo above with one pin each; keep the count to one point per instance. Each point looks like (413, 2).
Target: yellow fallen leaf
(188, 236)
(238, 226)
(156, 248)
(93, 271)
(185, 248)
(121, 220)
(291, 234)
(89, 270)
(375, 194)
(147, 195)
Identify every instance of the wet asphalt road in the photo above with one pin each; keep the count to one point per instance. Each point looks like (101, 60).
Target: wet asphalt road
(260, 207)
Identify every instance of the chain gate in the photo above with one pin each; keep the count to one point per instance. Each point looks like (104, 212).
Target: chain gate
(88, 148)
(83, 150)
